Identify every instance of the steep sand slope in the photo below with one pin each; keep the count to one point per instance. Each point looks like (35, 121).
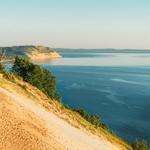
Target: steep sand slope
(25, 125)
(35, 55)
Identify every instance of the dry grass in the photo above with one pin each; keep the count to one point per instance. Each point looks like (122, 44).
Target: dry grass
(55, 107)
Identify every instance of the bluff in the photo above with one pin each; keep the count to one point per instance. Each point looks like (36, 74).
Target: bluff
(29, 52)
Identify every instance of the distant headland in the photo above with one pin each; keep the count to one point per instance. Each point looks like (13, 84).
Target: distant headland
(29, 52)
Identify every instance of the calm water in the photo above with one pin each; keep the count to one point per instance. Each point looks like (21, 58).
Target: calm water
(115, 86)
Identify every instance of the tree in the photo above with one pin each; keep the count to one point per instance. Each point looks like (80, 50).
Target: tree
(37, 76)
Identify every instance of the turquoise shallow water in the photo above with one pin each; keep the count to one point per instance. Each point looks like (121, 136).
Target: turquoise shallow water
(118, 92)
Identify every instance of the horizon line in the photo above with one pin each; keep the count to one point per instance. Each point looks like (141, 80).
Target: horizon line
(108, 48)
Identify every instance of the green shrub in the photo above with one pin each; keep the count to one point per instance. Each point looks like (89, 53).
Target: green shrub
(93, 119)
(1, 68)
(23, 86)
(82, 112)
(35, 75)
(140, 145)
(9, 76)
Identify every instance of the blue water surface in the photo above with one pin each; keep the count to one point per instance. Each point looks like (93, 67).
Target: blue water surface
(120, 94)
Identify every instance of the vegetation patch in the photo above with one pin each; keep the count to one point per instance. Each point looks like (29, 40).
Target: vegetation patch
(93, 119)
(1, 68)
(36, 76)
(140, 145)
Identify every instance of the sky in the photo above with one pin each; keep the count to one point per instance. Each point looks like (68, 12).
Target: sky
(76, 23)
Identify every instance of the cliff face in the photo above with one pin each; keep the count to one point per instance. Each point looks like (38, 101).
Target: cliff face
(29, 120)
(30, 52)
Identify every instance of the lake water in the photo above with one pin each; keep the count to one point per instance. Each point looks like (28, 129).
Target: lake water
(114, 85)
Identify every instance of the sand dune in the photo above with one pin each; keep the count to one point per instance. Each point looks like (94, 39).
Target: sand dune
(35, 55)
(25, 125)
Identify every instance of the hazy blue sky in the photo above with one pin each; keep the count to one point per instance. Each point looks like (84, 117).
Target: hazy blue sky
(76, 23)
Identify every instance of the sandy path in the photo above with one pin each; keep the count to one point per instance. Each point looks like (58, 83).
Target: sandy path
(24, 125)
